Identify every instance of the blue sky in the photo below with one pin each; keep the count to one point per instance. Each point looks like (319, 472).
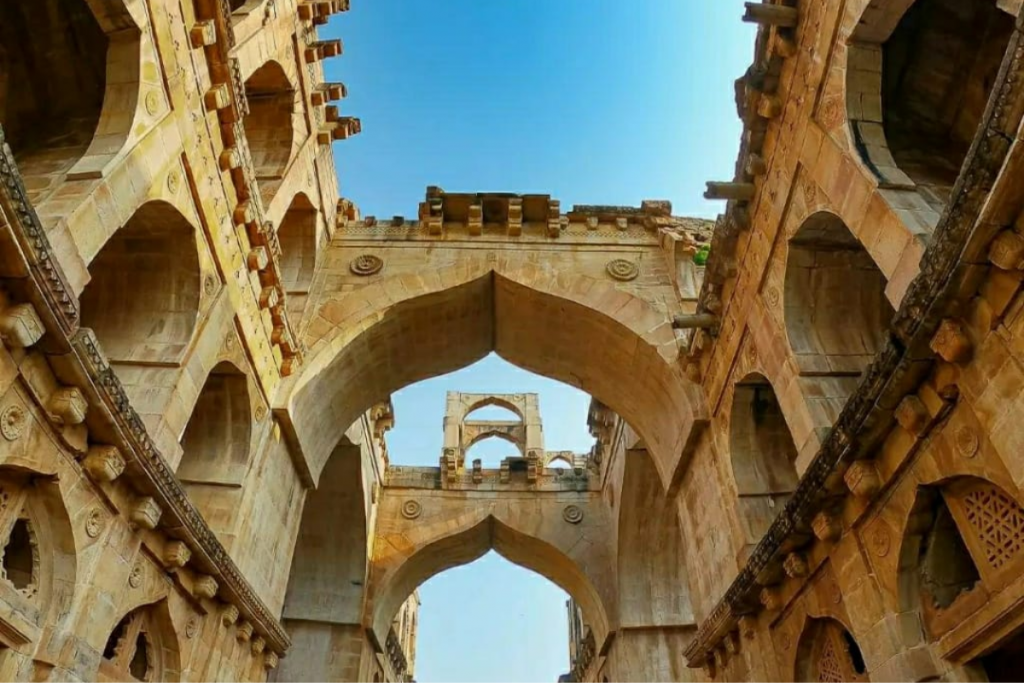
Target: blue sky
(591, 101)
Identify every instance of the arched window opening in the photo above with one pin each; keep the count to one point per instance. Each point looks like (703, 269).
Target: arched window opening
(946, 567)
(492, 412)
(836, 310)
(215, 446)
(20, 557)
(918, 85)
(491, 451)
(829, 654)
(964, 542)
(140, 648)
(238, 4)
(763, 454)
(269, 126)
(53, 65)
(297, 235)
(143, 299)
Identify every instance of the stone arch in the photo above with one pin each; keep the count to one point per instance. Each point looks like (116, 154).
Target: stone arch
(938, 580)
(470, 542)
(827, 651)
(270, 126)
(836, 312)
(963, 543)
(37, 545)
(494, 434)
(762, 453)
(143, 299)
(325, 597)
(653, 581)
(142, 646)
(919, 74)
(216, 447)
(299, 239)
(69, 80)
(496, 401)
(594, 337)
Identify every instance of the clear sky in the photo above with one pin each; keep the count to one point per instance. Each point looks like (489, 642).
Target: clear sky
(591, 101)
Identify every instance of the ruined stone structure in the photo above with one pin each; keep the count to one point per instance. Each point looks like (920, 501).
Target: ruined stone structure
(808, 458)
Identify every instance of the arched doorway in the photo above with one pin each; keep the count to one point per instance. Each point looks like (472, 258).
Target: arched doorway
(53, 68)
(270, 125)
(836, 311)
(762, 453)
(299, 240)
(215, 448)
(143, 299)
(918, 81)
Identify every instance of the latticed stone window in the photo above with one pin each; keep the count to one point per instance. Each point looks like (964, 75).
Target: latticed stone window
(991, 523)
(19, 547)
(829, 654)
(131, 651)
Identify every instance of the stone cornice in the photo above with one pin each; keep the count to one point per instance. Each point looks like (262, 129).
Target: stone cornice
(901, 364)
(112, 418)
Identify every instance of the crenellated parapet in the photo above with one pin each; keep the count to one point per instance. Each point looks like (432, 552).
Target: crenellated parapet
(488, 215)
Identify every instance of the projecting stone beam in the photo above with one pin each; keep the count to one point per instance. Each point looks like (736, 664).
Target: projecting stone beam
(696, 321)
(770, 15)
(742, 192)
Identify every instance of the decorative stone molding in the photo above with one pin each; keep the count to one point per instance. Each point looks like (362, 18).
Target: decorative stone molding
(94, 523)
(1007, 251)
(366, 264)
(136, 575)
(145, 513)
(795, 565)
(257, 645)
(20, 326)
(229, 615)
(202, 34)
(912, 414)
(623, 269)
(573, 514)
(862, 479)
(411, 509)
(826, 527)
(205, 586)
(104, 463)
(67, 406)
(176, 554)
(270, 661)
(12, 421)
(966, 441)
(244, 632)
(771, 598)
(951, 342)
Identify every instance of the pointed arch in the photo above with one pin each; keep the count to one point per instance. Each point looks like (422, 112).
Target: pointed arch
(142, 300)
(470, 543)
(216, 447)
(583, 332)
(495, 401)
(70, 73)
(142, 646)
(270, 125)
(918, 78)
